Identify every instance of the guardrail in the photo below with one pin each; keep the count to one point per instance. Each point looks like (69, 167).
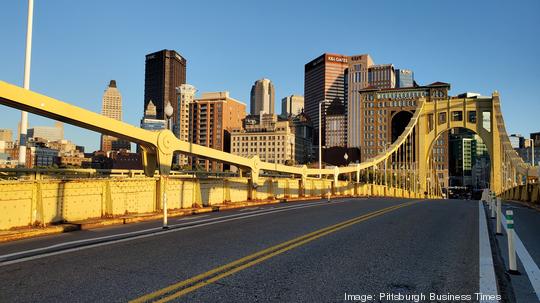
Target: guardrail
(74, 173)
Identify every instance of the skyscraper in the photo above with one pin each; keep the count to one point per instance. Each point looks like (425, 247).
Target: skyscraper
(164, 72)
(292, 105)
(404, 78)
(212, 118)
(185, 93)
(262, 97)
(336, 125)
(111, 106)
(382, 76)
(324, 80)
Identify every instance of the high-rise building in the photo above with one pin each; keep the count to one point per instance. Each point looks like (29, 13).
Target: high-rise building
(530, 148)
(186, 94)
(266, 136)
(303, 131)
(164, 72)
(262, 97)
(382, 76)
(149, 121)
(358, 73)
(336, 124)
(536, 139)
(517, 141)
(6, 135)
(461, 162)
(469, 159)
(111, 106)
(377, 117)
(324, 80)
(49, 133)
(292, 105)
(212, 118)
(404, 78)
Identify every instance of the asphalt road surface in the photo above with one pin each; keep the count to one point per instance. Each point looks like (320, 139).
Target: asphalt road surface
(294, 252)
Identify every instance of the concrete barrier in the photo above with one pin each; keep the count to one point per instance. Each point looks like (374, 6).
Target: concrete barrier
(525, 193)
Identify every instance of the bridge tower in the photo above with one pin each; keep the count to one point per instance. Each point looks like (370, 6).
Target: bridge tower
(480, 115)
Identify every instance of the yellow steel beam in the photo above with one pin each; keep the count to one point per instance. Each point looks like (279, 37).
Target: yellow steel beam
(158, 147)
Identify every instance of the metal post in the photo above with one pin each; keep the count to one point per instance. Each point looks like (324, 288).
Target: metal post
(27, 61)
(512, 265)
(165, 221)
(532, 148)
(320, 139)
(328, 195)
(499, 214)
(385, 160)
(493, 206)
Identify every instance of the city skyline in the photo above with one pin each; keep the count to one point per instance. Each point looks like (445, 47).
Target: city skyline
(478, 69)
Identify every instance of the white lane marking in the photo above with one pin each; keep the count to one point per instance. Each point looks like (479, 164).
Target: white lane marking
(192, 218)
(533, 272)
(487, 281)
(249, 208)
(204, 222)
(137, 232)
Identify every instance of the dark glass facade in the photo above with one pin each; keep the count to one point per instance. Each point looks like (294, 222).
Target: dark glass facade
(164, 72)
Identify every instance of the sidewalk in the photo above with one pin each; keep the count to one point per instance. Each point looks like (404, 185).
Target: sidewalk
(527, 229)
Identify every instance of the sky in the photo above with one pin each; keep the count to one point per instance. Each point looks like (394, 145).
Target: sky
(79, 46)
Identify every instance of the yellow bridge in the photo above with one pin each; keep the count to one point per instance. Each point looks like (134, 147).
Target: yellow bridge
(405, 169)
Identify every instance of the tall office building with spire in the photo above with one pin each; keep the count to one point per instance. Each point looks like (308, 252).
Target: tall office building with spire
(262, 97)
(111, 106)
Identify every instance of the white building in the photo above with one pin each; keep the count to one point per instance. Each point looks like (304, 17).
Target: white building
(262, 97)
(111, 106)
(292, 105)
(185, 96)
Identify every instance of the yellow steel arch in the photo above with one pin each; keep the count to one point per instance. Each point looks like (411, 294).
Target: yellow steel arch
(423, 128)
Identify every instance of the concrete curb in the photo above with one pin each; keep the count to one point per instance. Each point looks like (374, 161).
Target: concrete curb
(37, 232)
(14, 235)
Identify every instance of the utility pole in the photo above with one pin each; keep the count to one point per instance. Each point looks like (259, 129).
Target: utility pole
(27, 60)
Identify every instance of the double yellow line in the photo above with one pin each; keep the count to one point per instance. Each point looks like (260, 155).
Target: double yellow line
(184, 287)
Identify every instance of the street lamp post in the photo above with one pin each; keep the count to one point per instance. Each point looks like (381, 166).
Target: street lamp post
(169, 111)
(532, 152)
(26, 84)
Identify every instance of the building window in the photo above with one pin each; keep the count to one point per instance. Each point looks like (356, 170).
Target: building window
(457, 115)
(442, 118)
(472, 116)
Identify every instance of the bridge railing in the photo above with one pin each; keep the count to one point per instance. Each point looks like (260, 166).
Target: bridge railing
(529, 193)
(158, 147)
(70, 173)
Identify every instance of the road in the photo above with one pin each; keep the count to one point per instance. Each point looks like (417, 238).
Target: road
(294, 252)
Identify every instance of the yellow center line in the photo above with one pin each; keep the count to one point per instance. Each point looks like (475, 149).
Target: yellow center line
(253, 259)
